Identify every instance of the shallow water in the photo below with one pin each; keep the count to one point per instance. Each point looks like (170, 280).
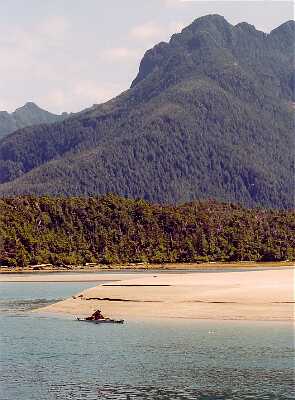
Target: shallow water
(26, 296)
(55, 358)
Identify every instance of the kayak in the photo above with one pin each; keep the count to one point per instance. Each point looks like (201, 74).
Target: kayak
(102, 321)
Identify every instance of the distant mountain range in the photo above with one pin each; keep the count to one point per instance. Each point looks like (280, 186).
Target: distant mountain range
(210, 114)
(27, 115)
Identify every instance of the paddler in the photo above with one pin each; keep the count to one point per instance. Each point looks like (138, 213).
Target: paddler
(95, 316)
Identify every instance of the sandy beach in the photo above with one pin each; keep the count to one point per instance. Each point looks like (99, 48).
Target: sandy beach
(248, 295)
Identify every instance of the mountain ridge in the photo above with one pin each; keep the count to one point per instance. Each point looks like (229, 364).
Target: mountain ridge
(27, 115)
(200, 120)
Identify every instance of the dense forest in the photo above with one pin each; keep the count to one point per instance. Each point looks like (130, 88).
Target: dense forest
(209, 115)
(110, 229)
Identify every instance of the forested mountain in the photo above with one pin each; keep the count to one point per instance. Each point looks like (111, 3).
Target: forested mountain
(27, 115)
(210, 114)
(116, 230)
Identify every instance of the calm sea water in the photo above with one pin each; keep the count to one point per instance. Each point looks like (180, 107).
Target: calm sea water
(47, 358)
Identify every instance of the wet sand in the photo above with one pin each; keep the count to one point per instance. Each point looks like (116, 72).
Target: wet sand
(248, 295)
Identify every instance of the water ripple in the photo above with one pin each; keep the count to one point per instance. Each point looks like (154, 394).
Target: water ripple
(129, 392)
(12, 306)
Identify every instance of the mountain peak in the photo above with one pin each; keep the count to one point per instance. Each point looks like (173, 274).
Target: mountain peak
(214, 24)
(286, 30)
(208, 116)
(284, 35)
(245, 26)
(209, 30)
(210, 19)
(28, 106)
(31, 104)
(204, 39)
(286, 27)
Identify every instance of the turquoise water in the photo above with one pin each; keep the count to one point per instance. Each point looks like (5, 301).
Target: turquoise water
(54, 358)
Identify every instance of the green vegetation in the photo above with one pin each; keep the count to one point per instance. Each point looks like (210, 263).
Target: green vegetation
(111, 230)
(208, 116)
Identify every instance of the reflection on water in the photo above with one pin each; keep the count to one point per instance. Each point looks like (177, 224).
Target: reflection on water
(151, 393)
(12, 306)
(20, 297)
(50, 358)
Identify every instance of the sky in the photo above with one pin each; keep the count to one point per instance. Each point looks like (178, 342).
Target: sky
(66, 55)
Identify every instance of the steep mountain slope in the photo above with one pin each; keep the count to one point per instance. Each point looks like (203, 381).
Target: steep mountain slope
(27, 115)
(208, 115)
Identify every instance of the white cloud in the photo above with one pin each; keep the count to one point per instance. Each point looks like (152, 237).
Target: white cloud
(78, 95)
(172, 3)
(40, 63)
(54, 30)
(20, 49)
(55, 99)
(51, 31)
(90, 92)
(152, 32)
(147, 30)
(234, 1)
(119, 54)
(93, 90)
(176, 26)
(65, 59)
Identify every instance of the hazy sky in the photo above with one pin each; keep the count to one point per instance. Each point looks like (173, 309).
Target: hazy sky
(66, 55)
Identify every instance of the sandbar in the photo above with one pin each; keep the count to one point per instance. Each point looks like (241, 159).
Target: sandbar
(266, 295)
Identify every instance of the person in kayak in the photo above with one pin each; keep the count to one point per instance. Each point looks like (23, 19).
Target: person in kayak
(95, 316)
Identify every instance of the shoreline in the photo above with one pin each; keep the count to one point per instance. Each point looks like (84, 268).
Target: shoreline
(250, 295)
(146, 267)
(69, 277)
(172, 320)
(122, 274)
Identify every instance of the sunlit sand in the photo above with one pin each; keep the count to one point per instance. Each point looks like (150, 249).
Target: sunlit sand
(247, 295)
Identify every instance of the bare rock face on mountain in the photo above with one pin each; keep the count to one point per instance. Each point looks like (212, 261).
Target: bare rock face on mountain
(27, 115)
(209, 115)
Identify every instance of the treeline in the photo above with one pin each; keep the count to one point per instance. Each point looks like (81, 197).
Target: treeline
(110, 229)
